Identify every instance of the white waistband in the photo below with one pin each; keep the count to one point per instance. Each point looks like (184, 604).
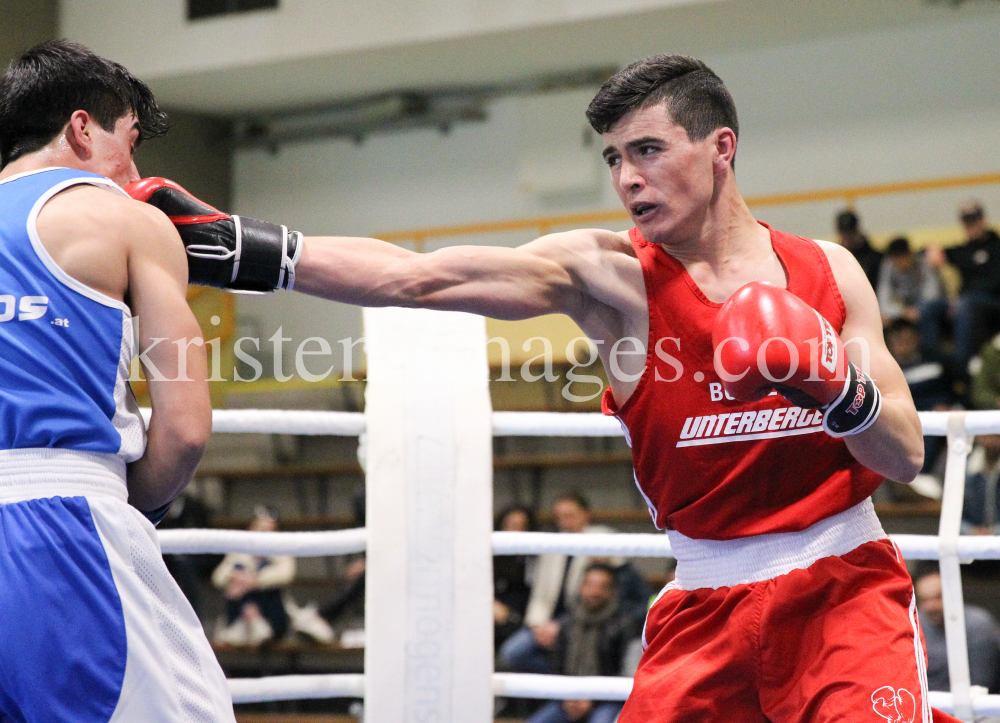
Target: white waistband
(724, 563)
(27, 474)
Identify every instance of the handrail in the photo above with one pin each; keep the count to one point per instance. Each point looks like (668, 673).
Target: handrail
(544, 224)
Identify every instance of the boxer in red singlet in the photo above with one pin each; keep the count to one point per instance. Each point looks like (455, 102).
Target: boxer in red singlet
(790, 603)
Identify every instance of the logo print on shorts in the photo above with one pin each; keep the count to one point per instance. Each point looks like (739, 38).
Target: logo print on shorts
(895, 706)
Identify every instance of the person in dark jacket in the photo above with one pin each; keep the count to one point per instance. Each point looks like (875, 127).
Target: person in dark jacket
(931, 378)
(850, 237)
(978, 261)
(592, 640)
(510, 577)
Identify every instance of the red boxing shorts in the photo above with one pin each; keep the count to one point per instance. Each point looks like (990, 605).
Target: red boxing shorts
(831, 637)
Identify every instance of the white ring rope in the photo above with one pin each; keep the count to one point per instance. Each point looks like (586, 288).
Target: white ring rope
(507, 685)
(549, 424)
(505, 424)
(345, 542)
(560, 687)
(555, 424)
(297, 687)
(296, 544)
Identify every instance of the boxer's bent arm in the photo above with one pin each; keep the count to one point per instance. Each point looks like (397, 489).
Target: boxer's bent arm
(894, 445)
(182, 414)
(500, 282)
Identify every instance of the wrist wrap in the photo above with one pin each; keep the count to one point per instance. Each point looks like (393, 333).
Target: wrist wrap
(156, 516)
(857, 407)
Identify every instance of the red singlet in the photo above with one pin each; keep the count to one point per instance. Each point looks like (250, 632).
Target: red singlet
(714, 468)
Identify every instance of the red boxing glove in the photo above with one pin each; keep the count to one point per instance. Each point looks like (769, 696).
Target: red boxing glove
(225, 251)
(767, 338)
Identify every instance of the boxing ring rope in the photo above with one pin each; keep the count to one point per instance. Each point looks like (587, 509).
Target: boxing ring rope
(426, 432)
(632, 544)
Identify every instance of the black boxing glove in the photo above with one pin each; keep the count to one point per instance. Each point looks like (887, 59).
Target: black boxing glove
(224, 251)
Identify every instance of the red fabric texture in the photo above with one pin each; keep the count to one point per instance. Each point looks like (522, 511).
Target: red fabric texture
(712, 467)
(833, 642)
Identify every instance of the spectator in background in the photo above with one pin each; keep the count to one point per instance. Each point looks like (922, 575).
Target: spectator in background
(981, 510)
(253, 587)
(188, 512)
(909, 288)
(978, 261)
(346, 610)
(511, 575)
(982, 635)
(592, 640)
(930, 377)
(851, 238)
(555, 588)
(985, 388)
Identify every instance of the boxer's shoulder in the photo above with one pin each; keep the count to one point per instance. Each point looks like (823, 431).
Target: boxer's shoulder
(90, 208)
(97, 235)
(852, 283)
(585, 250)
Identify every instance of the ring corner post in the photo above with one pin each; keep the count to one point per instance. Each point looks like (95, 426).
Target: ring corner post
(429, 586)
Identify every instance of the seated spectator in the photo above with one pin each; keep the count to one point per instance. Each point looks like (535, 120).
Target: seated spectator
(850, 237)
(252, 586)
(511, 574)
(909, 287)
(978, 261)
(555, 588)
(982, 635)
(984, 390)
(593, 638)
(931, 379)
(981, 509)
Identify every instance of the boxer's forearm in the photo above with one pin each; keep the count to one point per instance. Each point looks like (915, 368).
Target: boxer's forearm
(171, 458)
(351, 270)
(493, 281)
(893, 446)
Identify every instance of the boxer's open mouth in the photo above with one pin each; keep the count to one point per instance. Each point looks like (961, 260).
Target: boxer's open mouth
(639, 209)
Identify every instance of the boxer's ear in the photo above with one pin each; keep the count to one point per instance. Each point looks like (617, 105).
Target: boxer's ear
(78, 134)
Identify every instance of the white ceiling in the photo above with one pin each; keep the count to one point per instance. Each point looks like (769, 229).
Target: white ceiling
(718, 29)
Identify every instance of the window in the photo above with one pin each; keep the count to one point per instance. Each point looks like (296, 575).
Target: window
(198, 9)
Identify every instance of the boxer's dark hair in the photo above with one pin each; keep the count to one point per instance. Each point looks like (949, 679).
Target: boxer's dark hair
(696, 97)
(44, 87)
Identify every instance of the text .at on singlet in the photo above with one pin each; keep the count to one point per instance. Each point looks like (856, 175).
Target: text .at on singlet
(709, 466)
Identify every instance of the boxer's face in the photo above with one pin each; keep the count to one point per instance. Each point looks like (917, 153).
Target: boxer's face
(665, 180)
(113, 152)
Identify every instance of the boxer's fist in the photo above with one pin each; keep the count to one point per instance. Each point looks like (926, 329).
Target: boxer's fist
(228, 252)
(767, 338)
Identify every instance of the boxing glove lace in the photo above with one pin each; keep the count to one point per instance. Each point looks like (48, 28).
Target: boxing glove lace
(225, 251)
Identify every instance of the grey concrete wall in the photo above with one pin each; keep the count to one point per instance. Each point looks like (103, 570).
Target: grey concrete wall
(25, 23)
(194, 153)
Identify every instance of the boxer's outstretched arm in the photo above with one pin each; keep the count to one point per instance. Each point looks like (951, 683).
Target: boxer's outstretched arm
(894, 445)
(552, 274)
(178, 390)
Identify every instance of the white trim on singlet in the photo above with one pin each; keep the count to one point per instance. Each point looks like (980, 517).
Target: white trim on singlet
(43, 254)
(22, 174)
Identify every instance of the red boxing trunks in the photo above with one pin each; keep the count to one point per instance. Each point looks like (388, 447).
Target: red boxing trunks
(833, 639)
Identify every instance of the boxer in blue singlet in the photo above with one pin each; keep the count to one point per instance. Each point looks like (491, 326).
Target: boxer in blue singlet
(92, 626)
